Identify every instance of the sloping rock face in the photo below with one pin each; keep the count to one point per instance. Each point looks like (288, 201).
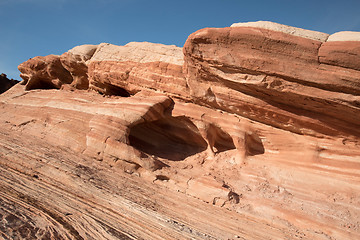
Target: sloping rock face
(278, 76)
(248, 132)
(6, 83)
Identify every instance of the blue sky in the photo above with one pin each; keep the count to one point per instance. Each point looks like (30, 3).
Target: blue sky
(32, 28)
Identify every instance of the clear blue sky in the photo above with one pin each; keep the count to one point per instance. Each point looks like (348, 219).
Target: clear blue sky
(32, 28)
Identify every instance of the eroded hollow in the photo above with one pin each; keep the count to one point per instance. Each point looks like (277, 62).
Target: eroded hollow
(117, 91)
(173, 138)
(38, 83)
(109, 89)
(254, 145)
(222, 140)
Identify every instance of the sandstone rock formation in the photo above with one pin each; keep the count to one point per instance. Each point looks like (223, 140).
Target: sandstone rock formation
(6, 83)
(341, 49)
(75, 61)
(260, 74)
(44, 73)
(248, 132)
(136, 67)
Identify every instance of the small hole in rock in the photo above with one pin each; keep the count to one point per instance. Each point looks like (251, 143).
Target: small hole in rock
(109, 89)
(162, 178)
(117, 91)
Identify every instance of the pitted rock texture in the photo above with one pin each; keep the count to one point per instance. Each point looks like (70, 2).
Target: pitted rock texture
(248, 132)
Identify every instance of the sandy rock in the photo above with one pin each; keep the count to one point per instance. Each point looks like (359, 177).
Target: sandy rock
(141, 52)
(318, 36)
(342, 49)
(344, 36)
(258, 73)
(137, 66)
(341, 53)
(108, 138)
(44, 73)
(208, 189)
(75, 61)
(52, 139)
(254, 134)
(83, 53)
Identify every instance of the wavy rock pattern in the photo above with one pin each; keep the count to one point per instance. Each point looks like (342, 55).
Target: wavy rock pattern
(260, 74)
(251, 133)
(136, 67)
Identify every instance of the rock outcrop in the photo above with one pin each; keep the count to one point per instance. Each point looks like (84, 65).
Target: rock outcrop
(342, 49)
(5, 83)
(259, 73)
(248, 132)
(44, 73)
(137, 66)
(76, 62)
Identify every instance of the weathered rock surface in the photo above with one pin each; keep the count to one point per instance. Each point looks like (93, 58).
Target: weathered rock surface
(136, 67)
(304, 33)
(341, 49)
(260, 74)
(253, 135)
(5, 83)
(44, 73)
(75, 61)
(344, 36)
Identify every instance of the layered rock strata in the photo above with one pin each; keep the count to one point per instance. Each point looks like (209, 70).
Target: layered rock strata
(279, 76)
(342, 49)
(76, 62)
(136, 67)
(248, 132)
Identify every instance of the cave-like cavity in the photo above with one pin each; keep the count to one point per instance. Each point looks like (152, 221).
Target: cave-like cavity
(109, 89)
(116, 91)
(173, 138)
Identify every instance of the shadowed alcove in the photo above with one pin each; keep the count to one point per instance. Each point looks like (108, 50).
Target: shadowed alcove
(173, 138)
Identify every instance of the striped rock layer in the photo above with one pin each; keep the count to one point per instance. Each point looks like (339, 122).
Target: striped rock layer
(247, 132)
(280, 78)
(137, 66)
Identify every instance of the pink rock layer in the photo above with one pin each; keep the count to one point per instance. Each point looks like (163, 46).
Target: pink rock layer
(248, 132)
(272, 77)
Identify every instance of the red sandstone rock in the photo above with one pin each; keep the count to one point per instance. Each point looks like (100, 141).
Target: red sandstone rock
(75, 61)
(258, 73)
(44, 73)
(137, 66)
(263, 143)
(342, 49)
(58, 135)
(343, 54)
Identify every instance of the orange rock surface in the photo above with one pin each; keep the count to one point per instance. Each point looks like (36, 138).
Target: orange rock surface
(248, 132)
